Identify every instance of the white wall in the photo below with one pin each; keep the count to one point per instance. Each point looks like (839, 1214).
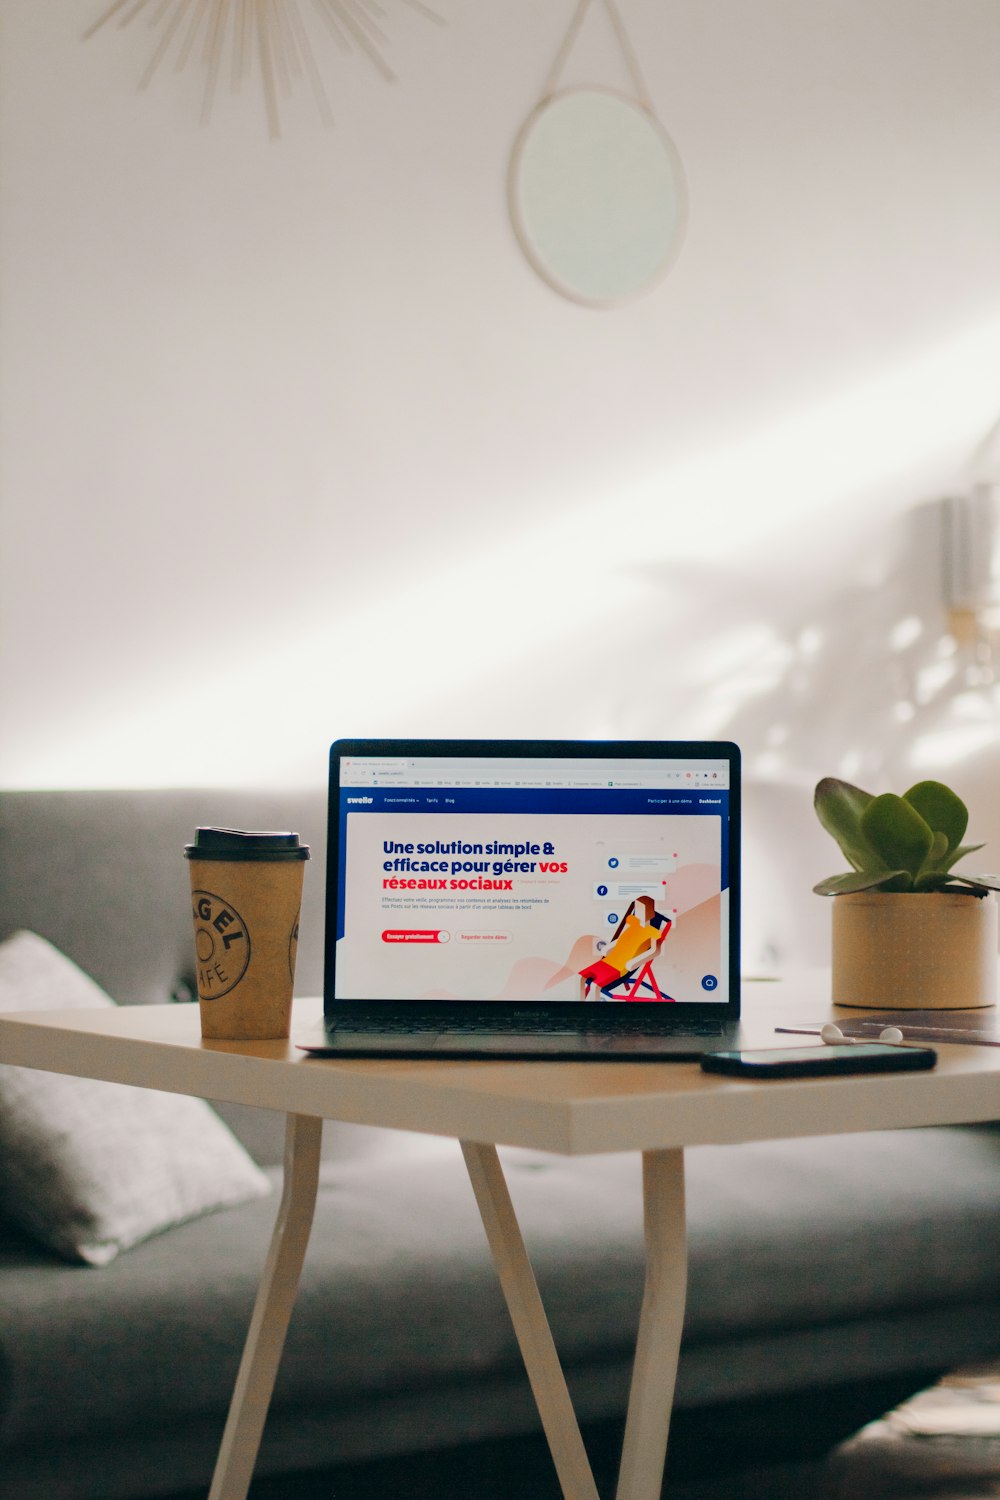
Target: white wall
(295, 444)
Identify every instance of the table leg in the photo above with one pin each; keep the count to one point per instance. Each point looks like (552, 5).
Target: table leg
(272, 1310)
(660, 1323)
(661, 1320)
(530, 1323)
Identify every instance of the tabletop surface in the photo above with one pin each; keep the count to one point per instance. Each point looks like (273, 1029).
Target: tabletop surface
(566, 1107)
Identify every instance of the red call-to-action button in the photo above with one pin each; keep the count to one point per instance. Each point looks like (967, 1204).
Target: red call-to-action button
(413, 935)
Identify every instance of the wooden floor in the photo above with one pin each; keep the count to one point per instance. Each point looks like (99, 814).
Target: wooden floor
(943, 1444)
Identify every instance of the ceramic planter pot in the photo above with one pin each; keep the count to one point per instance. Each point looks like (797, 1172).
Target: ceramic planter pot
(933, 951)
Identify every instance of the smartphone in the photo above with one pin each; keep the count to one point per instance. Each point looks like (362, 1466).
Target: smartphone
(806, 1062)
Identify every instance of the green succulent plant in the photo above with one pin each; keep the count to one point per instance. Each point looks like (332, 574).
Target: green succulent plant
(907, 843)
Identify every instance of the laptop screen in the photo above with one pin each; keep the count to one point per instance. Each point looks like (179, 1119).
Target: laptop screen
(513, 871)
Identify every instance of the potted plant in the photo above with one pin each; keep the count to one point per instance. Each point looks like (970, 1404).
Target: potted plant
(908, 932)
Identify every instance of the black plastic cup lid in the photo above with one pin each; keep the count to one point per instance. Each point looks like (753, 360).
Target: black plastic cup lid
(235, 844)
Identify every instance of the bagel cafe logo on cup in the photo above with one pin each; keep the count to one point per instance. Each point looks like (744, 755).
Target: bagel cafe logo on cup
(222, 945)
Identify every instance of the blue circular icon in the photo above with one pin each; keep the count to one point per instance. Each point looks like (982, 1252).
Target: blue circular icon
(602, 890)
(612, 863)
(709, 982)
(612, 917)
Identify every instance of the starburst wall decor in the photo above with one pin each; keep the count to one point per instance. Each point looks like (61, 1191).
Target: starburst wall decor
(272, 38)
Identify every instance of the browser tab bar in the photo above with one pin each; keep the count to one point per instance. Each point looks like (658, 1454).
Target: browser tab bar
(527, 774)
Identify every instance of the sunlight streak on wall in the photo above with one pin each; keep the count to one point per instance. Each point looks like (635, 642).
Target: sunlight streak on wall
(520, 600)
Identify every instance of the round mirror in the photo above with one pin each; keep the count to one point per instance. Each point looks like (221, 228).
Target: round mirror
(597, 196)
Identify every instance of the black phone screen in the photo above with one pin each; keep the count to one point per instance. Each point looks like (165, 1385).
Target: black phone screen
(803, 1062)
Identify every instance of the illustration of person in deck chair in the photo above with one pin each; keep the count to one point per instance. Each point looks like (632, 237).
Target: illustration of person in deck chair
(629, 957)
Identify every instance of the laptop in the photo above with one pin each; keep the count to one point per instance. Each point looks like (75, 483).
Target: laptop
(531, 899)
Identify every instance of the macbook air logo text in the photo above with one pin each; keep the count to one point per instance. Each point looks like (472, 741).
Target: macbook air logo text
(367, 800)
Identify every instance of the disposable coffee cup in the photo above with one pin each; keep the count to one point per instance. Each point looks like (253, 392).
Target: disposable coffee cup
(246, 891)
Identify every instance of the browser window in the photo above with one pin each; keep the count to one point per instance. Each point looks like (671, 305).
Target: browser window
(500, 878)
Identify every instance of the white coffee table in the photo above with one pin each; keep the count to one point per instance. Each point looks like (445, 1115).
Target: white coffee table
(657, 1109)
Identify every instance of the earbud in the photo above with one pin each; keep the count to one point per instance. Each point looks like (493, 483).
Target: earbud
(834, 1037)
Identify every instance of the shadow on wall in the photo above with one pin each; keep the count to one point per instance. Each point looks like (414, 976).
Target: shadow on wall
(878, 685)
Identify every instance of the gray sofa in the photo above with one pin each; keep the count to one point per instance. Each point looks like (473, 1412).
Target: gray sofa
(827, 1277)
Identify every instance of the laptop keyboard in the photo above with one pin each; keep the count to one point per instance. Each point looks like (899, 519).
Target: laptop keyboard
(627, 1022)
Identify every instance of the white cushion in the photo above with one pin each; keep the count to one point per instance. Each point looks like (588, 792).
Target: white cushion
(91, 1168)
